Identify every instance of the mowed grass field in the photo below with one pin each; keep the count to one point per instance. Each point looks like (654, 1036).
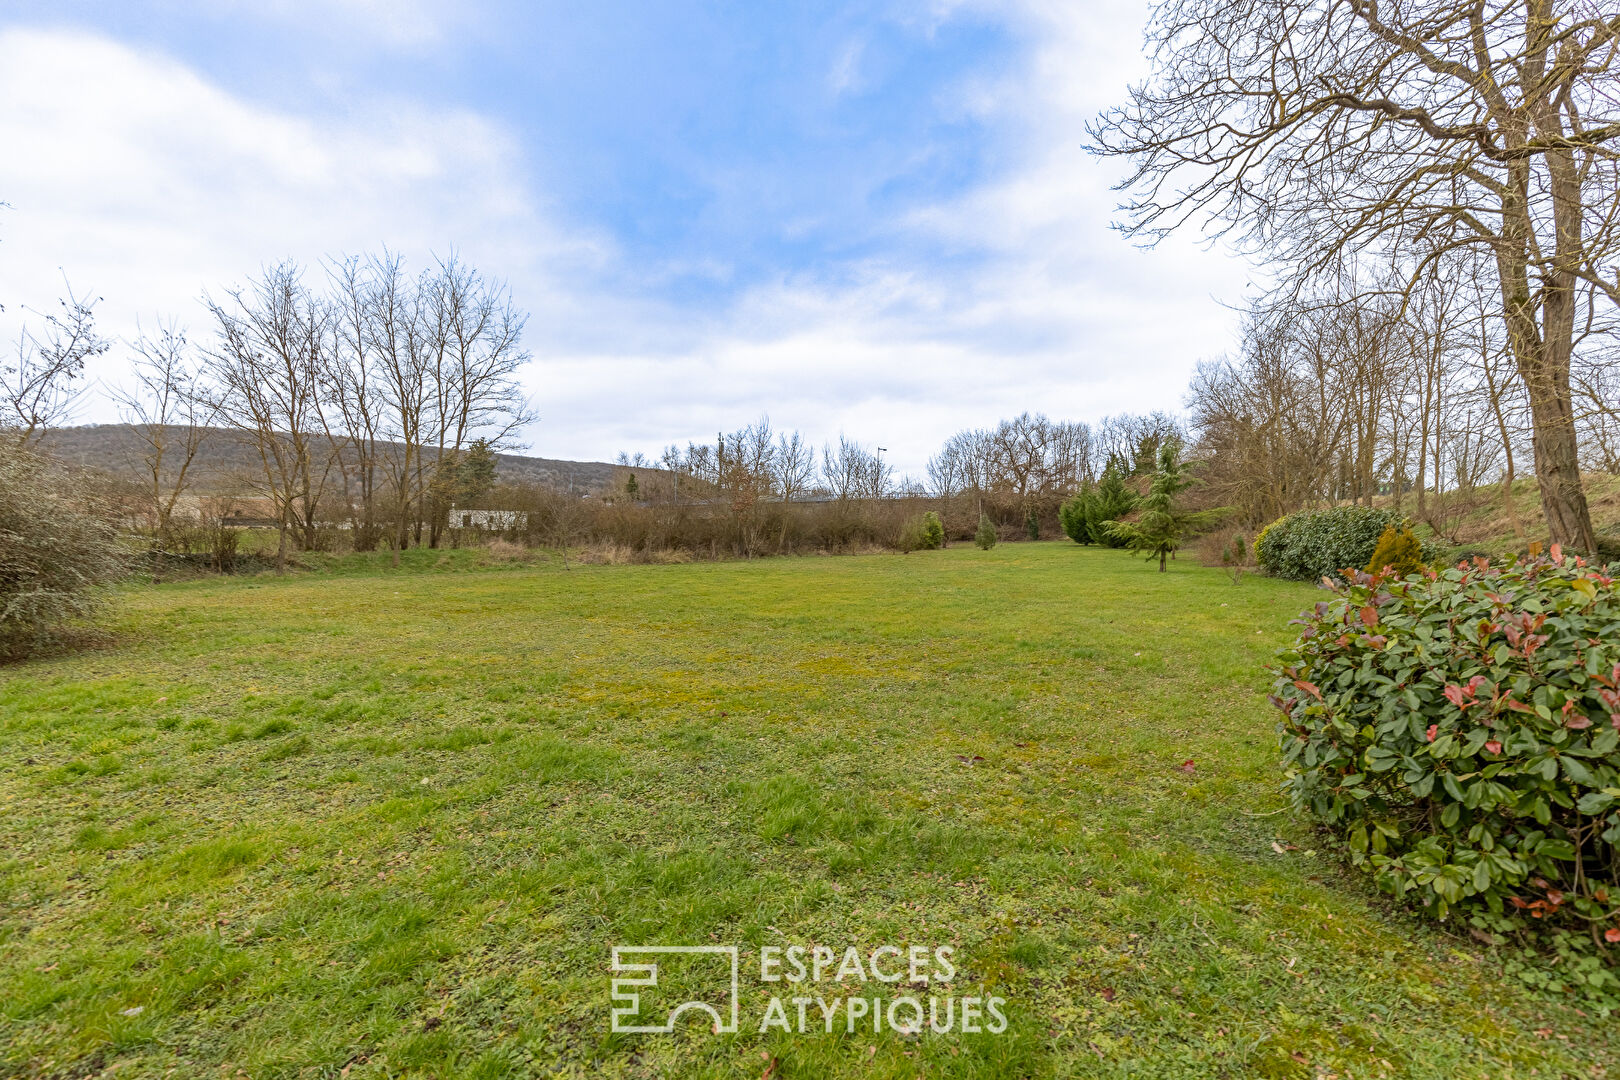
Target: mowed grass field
(376, 823)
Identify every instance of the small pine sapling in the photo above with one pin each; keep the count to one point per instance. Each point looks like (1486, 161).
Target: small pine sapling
(986, 536)
(1160, 525)
(1234, 556)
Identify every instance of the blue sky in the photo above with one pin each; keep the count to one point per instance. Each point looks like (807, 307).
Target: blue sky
(870, 218)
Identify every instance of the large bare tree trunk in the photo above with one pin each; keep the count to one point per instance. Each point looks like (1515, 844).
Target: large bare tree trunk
(1542, 357)
(1547, 376)
(1563, 499)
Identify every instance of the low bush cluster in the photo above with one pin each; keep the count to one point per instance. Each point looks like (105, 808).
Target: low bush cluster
(1314, 544)
(1459, 730)
(925, 533)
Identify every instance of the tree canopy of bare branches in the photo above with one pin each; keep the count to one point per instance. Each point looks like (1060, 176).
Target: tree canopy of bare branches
(370, 394)
(264, 377)
(1026, 459)
(1334, 397)
(1418, 135)
(38, 383)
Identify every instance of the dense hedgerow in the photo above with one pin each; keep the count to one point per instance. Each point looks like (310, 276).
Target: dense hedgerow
(1459, 730)
(58, 549)
(1313, 544)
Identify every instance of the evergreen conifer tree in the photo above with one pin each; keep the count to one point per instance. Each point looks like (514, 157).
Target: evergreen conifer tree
(1160, 526)
(1112, 500)
(1397, 549)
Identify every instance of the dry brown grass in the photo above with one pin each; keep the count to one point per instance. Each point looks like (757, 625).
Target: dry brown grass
(1486, 521)
(611, 554)
(1209, 547)
(505, 551)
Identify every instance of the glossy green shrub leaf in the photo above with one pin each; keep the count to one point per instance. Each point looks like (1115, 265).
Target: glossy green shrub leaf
(1460, 730)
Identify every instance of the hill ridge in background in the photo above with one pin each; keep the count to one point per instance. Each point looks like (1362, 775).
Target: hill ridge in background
(228, 456)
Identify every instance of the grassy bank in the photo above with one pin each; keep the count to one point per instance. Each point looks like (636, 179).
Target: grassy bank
(390, 823)
(1486, 517)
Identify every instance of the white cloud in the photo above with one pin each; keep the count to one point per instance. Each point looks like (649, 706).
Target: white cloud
(149, 183)
(845, 76)
(146, 184)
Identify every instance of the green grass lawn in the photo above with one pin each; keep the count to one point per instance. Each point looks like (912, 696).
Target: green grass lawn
(379, 824)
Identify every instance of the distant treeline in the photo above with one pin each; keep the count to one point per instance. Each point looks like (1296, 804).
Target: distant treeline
(356, 407)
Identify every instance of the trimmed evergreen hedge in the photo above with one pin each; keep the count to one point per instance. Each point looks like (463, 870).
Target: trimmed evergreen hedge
(1314, 544)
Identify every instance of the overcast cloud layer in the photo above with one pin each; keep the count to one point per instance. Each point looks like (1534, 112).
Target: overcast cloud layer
(879, 221)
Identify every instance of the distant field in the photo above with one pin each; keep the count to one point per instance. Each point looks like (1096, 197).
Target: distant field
(390, 824)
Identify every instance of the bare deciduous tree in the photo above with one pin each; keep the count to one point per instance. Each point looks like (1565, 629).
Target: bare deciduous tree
(403, 356)
(852, 472)
(794, 466)
(1131, 441)
(265, 376)
(475, 338)
(170, 413)
(351, 387)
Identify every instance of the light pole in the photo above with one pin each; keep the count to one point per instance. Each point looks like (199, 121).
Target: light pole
(881, 451)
